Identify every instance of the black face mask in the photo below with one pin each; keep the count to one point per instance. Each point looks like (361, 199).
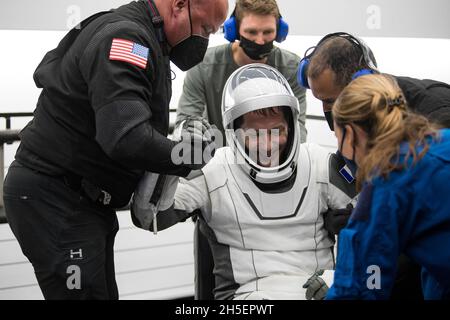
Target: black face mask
(190, 51)
(255, 51)
(329, 118)
(351, 163)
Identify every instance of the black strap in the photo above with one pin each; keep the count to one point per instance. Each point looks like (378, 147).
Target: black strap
(158, 23)
(158, 189)
(157, 20)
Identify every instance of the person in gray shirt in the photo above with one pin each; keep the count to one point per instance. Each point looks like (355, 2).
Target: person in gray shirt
(251, 30)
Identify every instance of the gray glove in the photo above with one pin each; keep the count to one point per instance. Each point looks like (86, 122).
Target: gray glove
(196, 143)
(153, 194)
(316, 288)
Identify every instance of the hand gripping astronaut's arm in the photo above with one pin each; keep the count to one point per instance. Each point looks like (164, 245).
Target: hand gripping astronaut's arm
(161, 201)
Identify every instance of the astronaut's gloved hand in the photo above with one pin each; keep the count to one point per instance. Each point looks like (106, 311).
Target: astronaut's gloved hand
(316, 288)
(196, 144)
(154, 193)
(336, 219)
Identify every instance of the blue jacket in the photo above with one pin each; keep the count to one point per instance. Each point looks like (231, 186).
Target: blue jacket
(407, 212)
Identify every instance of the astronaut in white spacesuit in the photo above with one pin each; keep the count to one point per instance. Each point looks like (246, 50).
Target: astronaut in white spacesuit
(261, 198)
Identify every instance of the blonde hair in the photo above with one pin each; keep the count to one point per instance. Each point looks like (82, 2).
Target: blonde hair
(257, 7)
(376, 104)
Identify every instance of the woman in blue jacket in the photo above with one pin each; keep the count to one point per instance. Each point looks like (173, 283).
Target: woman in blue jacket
(403, 173)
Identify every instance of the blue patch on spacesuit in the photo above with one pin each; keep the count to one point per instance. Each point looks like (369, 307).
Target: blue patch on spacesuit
(362, 210)
(347, 174)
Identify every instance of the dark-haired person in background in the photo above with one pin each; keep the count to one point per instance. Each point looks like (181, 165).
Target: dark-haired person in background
(341, 57)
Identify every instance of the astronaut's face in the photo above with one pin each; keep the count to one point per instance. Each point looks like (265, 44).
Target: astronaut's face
(265, 135)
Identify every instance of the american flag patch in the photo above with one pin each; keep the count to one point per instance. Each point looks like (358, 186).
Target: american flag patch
(128, 51)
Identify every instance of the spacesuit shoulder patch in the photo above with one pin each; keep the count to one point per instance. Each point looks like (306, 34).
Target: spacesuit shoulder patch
(337, 179)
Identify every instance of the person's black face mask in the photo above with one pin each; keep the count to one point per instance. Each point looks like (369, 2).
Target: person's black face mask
(351, 163)
(255, 51)
(190, 51)
(329, 118)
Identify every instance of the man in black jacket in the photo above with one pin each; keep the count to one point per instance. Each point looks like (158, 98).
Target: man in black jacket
(332, 64)
(340, 57)
(101, 120)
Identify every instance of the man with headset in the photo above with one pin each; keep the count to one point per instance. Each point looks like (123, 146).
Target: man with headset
(340, 57)
(336, 60)
(251, 31)
(261, 198)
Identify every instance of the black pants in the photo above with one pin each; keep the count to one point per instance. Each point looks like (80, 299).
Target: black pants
(408, 283)
(68, 239)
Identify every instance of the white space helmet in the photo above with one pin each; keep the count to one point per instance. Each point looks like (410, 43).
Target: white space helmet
(253, 87)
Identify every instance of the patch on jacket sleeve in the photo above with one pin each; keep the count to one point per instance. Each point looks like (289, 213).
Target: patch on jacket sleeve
(128, 51)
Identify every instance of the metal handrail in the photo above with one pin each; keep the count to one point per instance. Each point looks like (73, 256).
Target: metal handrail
(9, 115)
(11, 135)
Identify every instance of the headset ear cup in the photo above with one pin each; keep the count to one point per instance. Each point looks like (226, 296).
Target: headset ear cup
(230, 29)
(302, 73)
(362, 72)
(282, 30)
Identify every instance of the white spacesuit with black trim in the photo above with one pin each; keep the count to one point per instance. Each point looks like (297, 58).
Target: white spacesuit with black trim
(264, 224)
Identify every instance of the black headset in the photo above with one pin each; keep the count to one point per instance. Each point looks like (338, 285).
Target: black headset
(367, 56)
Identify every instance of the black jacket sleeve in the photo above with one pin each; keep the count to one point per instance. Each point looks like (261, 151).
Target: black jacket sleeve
(429, 98)
(120, 93)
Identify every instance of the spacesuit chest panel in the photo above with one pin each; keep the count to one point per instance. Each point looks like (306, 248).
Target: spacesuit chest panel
(245, 217)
